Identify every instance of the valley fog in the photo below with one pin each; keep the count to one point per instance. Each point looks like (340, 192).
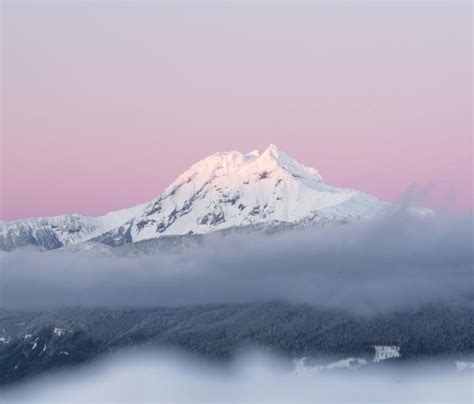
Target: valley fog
(397, 262)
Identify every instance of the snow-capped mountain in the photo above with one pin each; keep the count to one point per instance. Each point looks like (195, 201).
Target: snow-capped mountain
(222, 191)
(233, 189)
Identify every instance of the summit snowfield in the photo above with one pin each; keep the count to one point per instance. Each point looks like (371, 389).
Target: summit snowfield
(232, 189)
(223, 191)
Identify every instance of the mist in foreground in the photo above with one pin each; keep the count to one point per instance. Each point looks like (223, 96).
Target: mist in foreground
(253, 377)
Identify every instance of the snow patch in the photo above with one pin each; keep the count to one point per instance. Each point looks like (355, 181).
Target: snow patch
(384, 352)
(34, 344)
(300, 367)
(59, 331)
(5, 340)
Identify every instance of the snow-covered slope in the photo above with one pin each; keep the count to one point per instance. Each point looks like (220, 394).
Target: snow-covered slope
(58, 231)
(232, 190)
(223, 191)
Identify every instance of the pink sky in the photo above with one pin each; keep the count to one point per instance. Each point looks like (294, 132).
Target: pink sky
(104, 104)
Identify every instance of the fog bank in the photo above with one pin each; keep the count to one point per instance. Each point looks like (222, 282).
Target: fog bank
(398, 262)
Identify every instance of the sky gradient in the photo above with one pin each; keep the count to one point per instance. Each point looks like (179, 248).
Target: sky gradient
(105, 103)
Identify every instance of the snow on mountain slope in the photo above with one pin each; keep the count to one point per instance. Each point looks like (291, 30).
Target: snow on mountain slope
(232, 190)
(222, 191)
(58, 231)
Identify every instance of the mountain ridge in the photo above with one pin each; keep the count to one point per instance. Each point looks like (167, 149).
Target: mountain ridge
(222, 191)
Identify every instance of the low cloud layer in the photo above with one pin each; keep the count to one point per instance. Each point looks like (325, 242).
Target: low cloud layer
(395, 263)
(166, 377)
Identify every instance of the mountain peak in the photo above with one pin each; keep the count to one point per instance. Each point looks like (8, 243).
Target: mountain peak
(232, 189)
(273, 154)
(273, 151)
(238, 167)
(276, 157)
